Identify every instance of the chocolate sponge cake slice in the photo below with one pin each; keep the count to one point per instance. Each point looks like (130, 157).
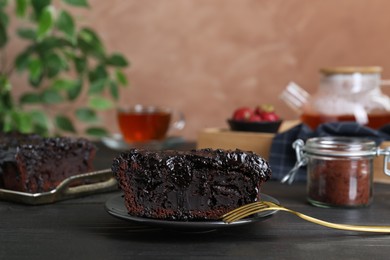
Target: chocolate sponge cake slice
(33, 164)
(192, 185)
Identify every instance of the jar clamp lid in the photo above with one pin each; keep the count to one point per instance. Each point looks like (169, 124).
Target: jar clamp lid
(335, 147)
(340, 146)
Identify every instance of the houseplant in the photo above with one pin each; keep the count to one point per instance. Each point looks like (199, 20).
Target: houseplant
(63, 63)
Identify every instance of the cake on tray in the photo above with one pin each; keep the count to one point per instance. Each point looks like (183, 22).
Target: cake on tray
(33, 164)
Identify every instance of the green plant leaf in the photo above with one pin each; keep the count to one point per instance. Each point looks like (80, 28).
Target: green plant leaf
(66, 24)
(64, 123)
(75, 91)
(39, 117)
(21, 8)
(40, 122)
(6, 99)
(80, 64)
(45, 22)
(99, 103)
(3, 29)
(22, 61)
(82, 3)
(20, 121)
(96, 131)
(3, 37)
(5, 85)
(3, 3)
(38, 6)
(117, 60)
(99, 72)
(62, 84)
(42, 130)
(89, 42)
(51, 96)
(35, 69)
(86, 115)
(7, 123)
(50, 43)
(30, 98)
(4, 19)
(54, 64)
(97, 86)
(121, 78)
(36, 82)
(27, 33)
(114, 90)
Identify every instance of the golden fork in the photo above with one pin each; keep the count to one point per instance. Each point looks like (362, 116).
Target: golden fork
(260, 206)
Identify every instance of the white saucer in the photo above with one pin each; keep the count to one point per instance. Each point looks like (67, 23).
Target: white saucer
(116, 142)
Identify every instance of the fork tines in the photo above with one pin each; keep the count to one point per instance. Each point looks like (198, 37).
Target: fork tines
(244, 211)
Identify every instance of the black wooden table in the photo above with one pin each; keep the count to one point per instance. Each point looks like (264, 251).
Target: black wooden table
(82, 229)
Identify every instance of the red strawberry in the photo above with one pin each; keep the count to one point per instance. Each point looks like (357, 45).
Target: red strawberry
(242, 114)
(267, 112)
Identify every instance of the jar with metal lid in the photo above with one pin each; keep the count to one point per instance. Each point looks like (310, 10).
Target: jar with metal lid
(348, 94)
(339, 170)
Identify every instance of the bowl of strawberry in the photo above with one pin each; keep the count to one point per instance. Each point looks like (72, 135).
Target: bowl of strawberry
(262, 118)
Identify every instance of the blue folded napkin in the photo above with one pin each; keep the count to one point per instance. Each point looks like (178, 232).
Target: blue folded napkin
(282, 156)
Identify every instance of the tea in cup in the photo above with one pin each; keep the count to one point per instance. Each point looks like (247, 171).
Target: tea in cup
(148, 123)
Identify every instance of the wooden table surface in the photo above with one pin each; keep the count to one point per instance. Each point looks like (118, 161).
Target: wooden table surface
(82, 229)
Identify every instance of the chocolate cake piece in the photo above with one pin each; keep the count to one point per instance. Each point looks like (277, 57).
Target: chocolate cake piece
(30, 163)
(193, 185)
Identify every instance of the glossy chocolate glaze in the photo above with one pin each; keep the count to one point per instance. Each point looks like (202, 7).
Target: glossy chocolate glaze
(198, 184)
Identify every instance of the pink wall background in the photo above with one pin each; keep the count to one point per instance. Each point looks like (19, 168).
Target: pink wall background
(207, 57)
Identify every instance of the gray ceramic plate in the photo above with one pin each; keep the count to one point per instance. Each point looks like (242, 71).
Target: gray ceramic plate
(116, 207)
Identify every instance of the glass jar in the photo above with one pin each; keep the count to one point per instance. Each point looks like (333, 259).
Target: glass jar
(348, 94)
(339, 169)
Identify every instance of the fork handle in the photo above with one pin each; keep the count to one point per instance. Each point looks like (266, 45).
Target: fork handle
(377, 229)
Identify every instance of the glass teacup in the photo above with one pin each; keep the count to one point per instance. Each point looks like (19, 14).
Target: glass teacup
(142, 123)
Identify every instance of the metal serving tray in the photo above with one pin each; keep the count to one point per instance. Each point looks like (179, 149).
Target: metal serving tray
(99, 181)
